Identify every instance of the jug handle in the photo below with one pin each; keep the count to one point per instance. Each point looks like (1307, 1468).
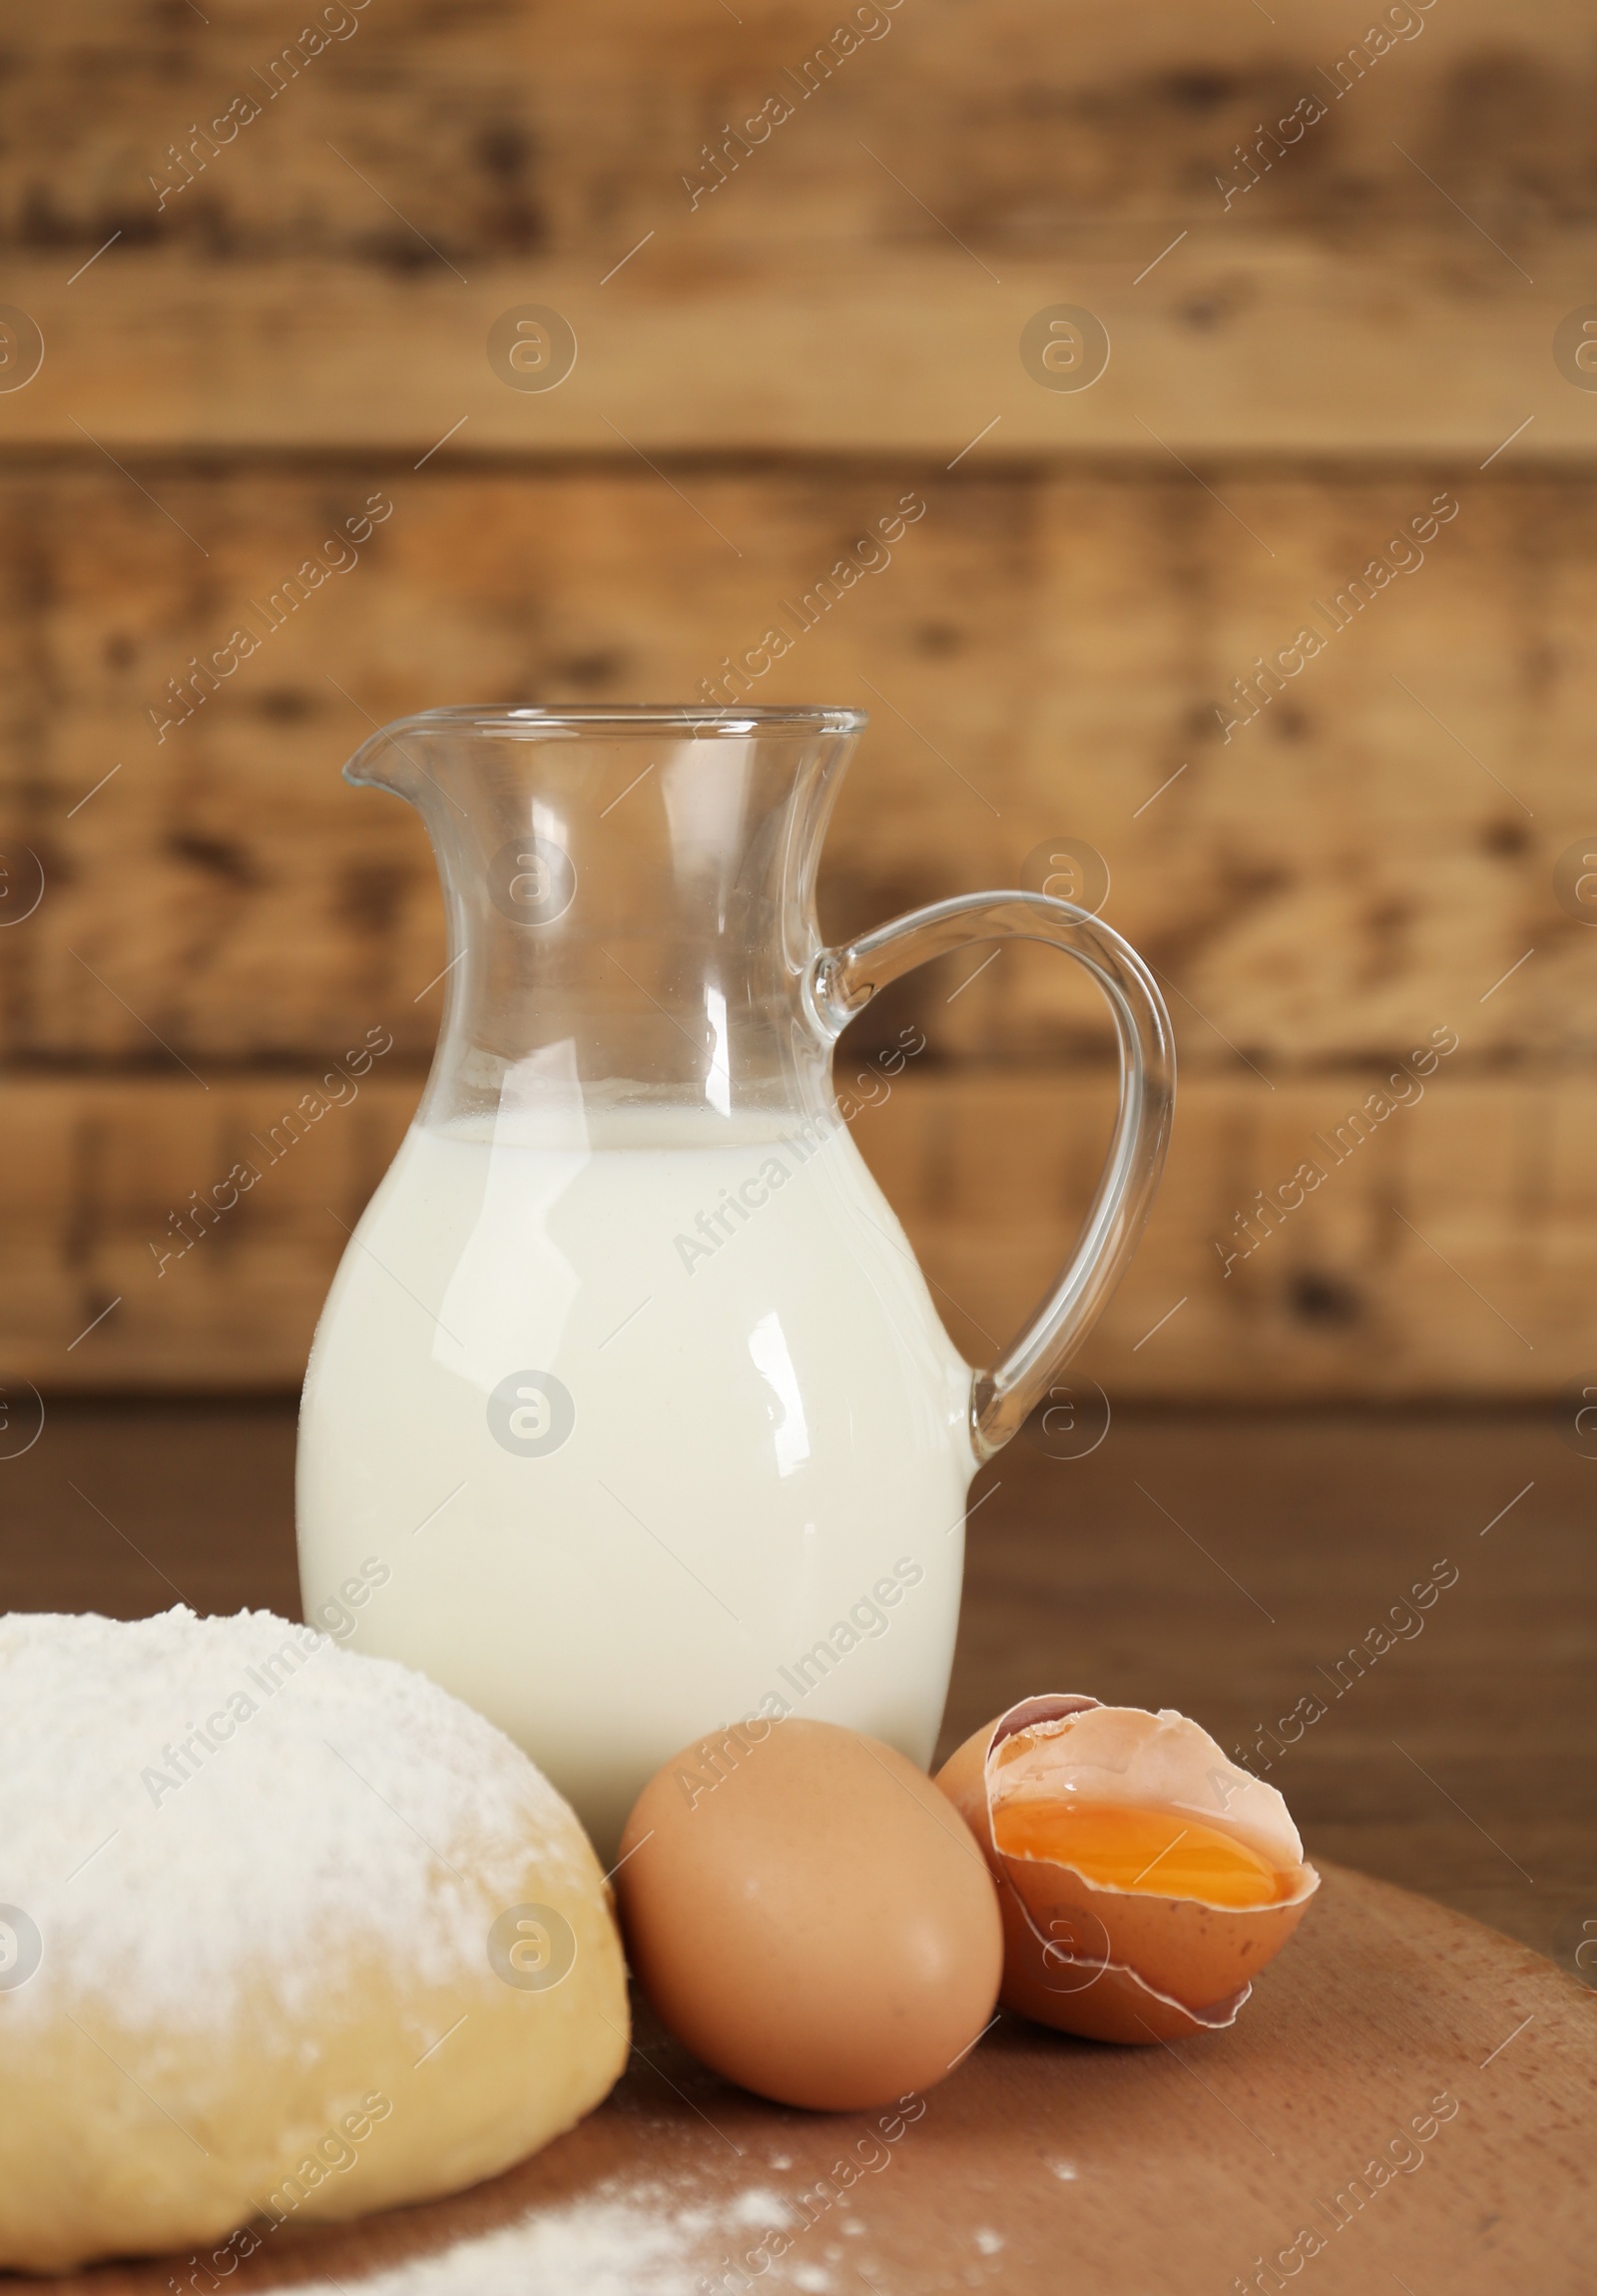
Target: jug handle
(843, 980)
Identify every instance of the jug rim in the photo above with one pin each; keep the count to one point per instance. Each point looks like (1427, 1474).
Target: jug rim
(702, 721)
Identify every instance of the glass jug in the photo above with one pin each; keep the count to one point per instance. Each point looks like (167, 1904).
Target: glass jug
(628, 1416)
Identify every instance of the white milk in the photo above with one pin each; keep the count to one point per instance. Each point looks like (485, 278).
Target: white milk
(770, 1423)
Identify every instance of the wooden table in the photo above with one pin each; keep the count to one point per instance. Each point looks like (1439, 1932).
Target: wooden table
(1220, 1565)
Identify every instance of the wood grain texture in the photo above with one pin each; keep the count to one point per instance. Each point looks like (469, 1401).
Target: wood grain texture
(859, 279)
(1450, 1251)
(525, 128)
(1041, 654)
(1225, 349)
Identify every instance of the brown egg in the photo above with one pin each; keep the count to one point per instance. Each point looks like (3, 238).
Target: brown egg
(1143, 1879)
(809, 1914)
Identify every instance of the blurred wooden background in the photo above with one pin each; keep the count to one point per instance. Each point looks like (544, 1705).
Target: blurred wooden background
(1294, 376)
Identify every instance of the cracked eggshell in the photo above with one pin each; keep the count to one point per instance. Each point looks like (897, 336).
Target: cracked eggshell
(1120, 1965)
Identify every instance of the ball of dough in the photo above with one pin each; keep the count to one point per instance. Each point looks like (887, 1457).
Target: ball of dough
(286, 1934)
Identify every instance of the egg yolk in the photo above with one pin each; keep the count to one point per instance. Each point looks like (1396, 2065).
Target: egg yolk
(1159, 1853)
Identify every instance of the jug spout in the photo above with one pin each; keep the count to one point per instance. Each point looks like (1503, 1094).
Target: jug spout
(630, 896)
(408, 759)
(381, 764)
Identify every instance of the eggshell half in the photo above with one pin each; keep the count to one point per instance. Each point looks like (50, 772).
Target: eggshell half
(807, 1913)
(1117, 1964)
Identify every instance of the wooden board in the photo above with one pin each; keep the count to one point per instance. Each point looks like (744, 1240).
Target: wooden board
(1453, 1250)
(1440, 351)
(1043, 2162)
(860, 281)
(1044, 654)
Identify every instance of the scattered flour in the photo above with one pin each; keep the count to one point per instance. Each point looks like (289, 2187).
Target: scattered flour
(629, 2239)
(637, 2240)
(586, 2248)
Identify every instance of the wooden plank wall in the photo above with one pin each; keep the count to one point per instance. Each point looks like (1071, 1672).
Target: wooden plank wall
(1300, 370)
